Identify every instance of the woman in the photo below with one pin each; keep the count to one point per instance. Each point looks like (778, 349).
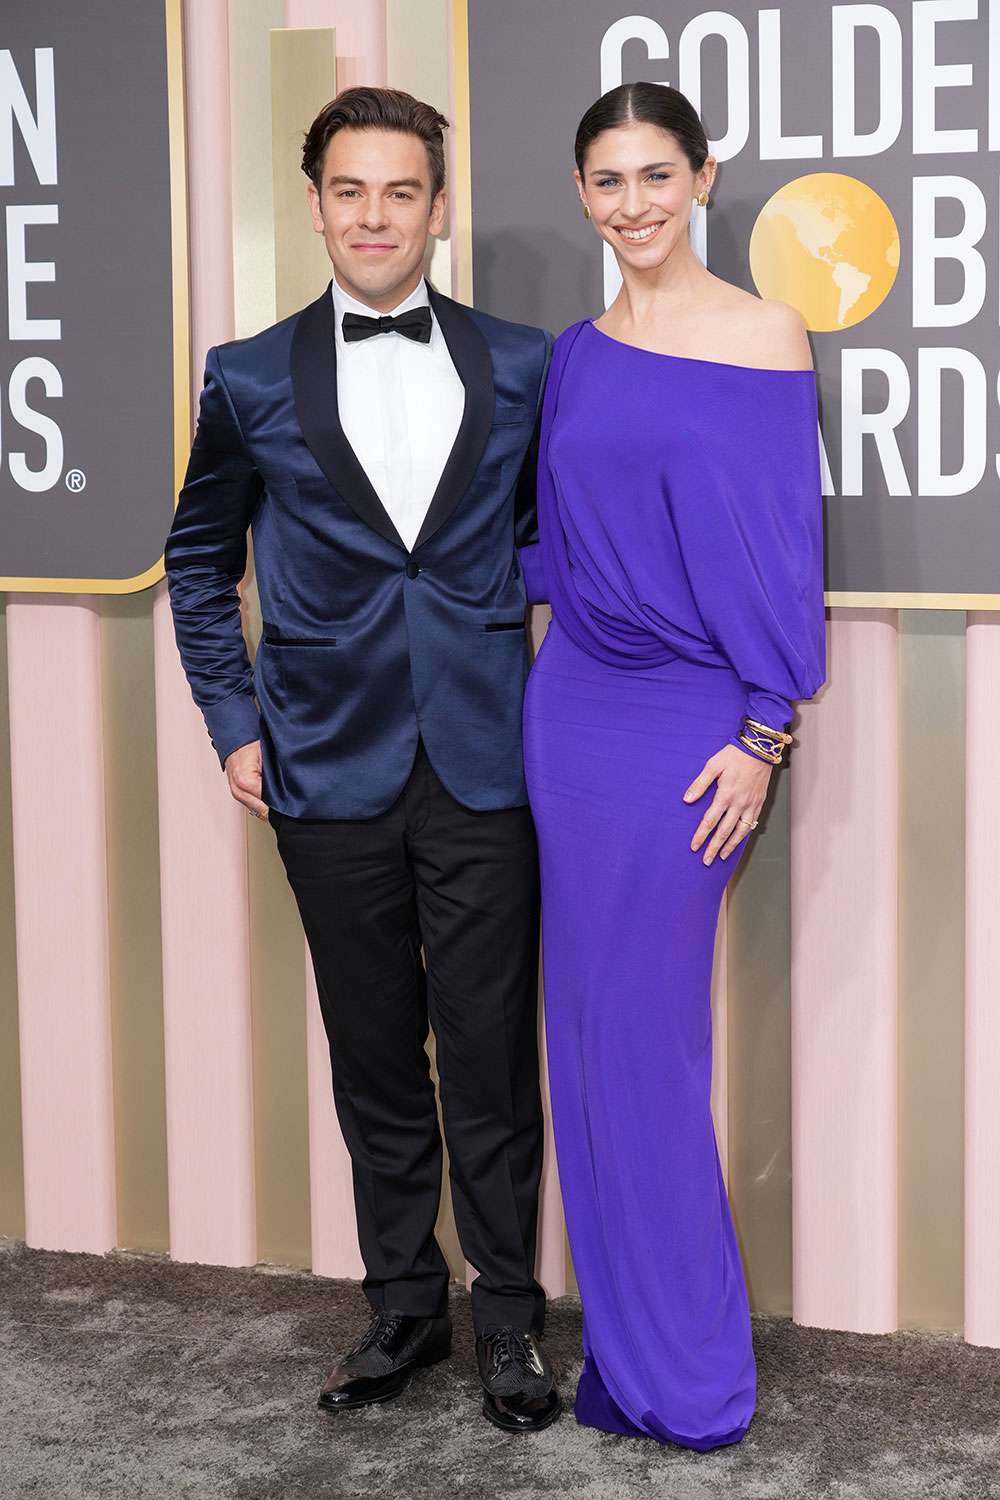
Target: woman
(680, 548)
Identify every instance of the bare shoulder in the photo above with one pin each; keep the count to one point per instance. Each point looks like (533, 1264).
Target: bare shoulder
(778, 335)
(743, 328)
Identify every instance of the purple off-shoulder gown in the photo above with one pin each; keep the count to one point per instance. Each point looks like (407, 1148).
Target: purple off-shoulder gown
(681, 551)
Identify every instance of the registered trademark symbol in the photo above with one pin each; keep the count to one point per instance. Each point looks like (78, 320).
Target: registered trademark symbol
(76, 480)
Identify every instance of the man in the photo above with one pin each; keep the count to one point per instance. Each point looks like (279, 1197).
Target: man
(378, 445)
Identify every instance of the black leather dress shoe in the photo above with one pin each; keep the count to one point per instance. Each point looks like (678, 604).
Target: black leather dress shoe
(519, 1392)
(380, 1366)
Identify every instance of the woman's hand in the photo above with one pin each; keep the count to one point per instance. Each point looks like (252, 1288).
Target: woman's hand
(739, 796)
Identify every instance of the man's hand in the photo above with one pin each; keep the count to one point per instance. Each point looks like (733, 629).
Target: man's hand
(243, 775)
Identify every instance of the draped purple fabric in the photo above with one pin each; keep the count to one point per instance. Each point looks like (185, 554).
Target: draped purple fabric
(681, 551)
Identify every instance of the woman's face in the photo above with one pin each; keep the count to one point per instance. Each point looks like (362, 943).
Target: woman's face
(639, 187)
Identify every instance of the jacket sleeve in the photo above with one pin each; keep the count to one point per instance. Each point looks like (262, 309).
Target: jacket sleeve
(205, 558)
(752, 546)
(526, 502)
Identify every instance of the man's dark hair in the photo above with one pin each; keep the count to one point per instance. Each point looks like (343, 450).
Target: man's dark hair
(647, 104)
(376, 109)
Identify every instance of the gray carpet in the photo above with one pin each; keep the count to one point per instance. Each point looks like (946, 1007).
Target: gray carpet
(132, 1376)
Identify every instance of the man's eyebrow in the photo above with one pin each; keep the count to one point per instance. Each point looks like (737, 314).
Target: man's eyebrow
(342, 181)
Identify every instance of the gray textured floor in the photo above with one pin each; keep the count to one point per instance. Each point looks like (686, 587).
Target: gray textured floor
(135, 1377)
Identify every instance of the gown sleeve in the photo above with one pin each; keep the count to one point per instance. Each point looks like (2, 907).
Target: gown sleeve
(752, 543)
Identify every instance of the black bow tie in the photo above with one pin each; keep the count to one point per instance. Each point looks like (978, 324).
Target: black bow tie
(415, 324)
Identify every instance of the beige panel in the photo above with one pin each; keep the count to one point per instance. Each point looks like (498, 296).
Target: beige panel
(460, 155)
(134, 920)
(445, 1229)
(303, 79)
(931, 966)
(760, 1185)
(720, 1040)
(250, 25)
(418, 34)
(11, 1166)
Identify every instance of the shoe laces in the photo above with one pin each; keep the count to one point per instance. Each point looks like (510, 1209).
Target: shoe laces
(382, 1327)
(511, 1347)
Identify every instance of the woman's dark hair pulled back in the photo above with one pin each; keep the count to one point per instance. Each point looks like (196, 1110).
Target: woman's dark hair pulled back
(644, 104)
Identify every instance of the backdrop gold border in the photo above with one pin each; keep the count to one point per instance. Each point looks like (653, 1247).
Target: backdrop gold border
(181, 333)
(839, 598)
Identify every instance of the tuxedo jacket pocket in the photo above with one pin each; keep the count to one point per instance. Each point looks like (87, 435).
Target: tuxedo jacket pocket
(506, 412)
(272, 636)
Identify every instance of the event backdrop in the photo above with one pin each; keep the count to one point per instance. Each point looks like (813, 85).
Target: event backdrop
(857, 180)
(94, 407)
(163, 1074)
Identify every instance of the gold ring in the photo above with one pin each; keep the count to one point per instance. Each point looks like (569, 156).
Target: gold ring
(748, 823)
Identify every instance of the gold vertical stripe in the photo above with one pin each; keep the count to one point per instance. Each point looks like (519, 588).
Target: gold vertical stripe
(461, 154)
(759, 1034)
(303, 79)
(445, 1229)
(931, 966)
(250, 25)
(129, 731)
(11, 1164)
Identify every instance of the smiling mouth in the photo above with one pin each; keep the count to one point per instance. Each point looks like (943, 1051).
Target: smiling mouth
(641, 235)
(371, 245)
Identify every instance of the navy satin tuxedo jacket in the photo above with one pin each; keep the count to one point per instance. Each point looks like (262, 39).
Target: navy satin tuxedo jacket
(365, 645)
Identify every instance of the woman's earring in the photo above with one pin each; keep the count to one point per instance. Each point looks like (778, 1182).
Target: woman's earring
(586, 210)
(702, 198)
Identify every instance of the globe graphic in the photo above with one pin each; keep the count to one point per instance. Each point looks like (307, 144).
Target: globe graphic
(827, 244)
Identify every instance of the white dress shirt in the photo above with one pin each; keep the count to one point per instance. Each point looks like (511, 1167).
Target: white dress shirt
(401, 405)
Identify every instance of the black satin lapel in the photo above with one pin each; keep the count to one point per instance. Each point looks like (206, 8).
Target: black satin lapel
(471, 355)
(314, 388)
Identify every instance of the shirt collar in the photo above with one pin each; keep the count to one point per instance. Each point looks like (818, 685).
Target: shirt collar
(344, 302)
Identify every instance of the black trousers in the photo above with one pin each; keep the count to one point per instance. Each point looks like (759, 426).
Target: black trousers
(464, 886)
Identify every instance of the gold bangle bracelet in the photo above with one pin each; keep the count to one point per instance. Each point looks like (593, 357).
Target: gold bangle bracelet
(780, 735)
(774, 760)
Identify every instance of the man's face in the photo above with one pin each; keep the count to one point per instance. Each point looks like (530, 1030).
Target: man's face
(375, 213)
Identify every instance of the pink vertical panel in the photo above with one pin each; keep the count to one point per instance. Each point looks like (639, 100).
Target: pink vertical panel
(360, 28)
(206, 966)
(843, 972)
(331, 1191)
(61, 913)
(982, 966)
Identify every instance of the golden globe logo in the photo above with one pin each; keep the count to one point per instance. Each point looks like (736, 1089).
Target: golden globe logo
(827, 244)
